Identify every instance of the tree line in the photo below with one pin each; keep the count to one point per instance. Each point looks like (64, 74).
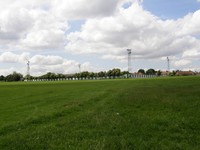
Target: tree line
(114, 73)
(12, 77)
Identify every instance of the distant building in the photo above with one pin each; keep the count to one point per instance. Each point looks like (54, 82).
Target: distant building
(197, 73)
(165, 73)
(137, 73)
(185, 73)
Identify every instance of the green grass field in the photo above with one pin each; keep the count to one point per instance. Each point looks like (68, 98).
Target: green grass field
(160, 113)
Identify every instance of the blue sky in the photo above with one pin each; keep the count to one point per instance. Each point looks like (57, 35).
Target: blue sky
(171, 9)
(56, 36)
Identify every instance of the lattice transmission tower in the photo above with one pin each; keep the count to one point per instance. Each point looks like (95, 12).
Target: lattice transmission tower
(129, 61)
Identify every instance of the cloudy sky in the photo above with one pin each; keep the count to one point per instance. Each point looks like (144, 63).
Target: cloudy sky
(58, 35)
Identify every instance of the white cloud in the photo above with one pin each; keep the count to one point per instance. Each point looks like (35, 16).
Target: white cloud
(112, 57)
(48, 32)
(31, 26)
(14, 25)
(64, 67)
(46, 60)
(7, 71)
(83, 9)
(41, 64)
(110, 33)
(191, 54)
(135, 28)
(190, 24)
(9, 57)
(181, 63)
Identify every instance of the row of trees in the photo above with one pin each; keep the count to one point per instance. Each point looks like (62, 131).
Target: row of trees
(52, 76)
(114, 73)
(12, 77)
(85, 74)
(154, 72)
(110, 73)
(149, 72)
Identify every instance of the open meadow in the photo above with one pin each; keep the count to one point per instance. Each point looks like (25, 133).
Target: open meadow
(158, 113)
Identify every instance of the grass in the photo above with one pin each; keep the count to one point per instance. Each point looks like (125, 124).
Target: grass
(161, 113)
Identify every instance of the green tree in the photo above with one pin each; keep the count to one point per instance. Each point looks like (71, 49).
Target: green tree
(84, 74)
(151, 72)
(53, 76)
(125, 73)
(91, 74)
(2, 78)
(116, 72)
(109, 73)
(102, 74)
(28, 77)
(141, 71)
(14, 77)
(173, 73)
(60, 76)
(159, 73)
